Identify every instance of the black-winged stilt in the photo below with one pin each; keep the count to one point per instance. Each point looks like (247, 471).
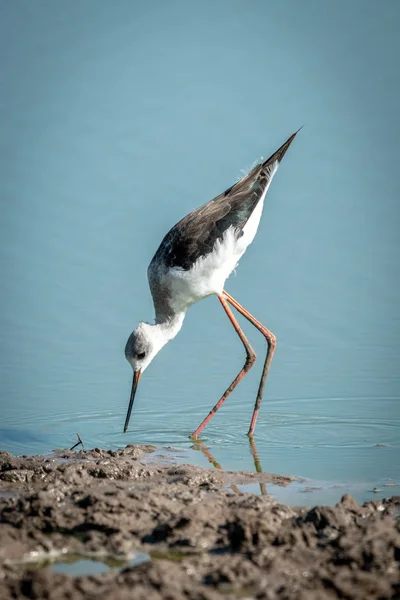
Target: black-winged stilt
(192, 262)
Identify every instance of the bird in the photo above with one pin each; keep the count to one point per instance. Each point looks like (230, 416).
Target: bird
(193, 261)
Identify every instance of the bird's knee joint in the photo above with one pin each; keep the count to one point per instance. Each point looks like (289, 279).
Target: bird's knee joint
(271, 340)
(251, 358)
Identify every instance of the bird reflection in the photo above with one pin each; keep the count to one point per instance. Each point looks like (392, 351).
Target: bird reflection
(200, 446)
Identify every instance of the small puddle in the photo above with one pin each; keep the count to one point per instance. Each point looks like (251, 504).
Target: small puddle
(6, 494)
(78, 565)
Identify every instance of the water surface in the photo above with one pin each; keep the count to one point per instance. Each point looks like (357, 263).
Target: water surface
(117, 121)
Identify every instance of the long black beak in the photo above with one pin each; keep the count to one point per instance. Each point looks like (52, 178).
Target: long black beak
(136, 378)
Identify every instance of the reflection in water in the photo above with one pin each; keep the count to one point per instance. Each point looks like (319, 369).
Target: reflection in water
(200, 446)
(257, 463)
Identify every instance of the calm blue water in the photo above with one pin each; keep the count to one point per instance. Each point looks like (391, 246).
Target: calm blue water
(116, 120)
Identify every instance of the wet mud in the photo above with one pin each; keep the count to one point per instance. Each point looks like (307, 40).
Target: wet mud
(162, 530)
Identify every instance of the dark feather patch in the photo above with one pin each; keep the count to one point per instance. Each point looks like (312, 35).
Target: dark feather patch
(196, 234)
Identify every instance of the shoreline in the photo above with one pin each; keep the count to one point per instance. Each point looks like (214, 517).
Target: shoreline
(162, 529)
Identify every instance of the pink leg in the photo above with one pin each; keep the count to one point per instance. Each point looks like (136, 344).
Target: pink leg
(250, 359)
(271, 342)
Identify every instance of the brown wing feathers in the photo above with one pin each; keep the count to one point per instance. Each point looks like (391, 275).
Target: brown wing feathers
(195, 235)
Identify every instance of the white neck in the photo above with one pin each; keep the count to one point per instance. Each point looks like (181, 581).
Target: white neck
(168, 328)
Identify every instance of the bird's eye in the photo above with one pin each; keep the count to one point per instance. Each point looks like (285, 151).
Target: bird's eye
(141, 355)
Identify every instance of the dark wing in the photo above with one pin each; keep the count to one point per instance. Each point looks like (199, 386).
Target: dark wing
(196, 234)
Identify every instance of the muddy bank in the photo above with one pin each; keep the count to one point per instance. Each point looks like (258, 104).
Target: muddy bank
(198, 536)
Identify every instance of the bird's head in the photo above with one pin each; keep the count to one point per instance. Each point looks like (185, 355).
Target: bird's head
(142, 346)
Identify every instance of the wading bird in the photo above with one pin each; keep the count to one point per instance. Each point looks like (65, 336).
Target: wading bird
(192, 262)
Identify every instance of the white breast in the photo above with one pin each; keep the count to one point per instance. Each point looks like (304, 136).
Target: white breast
(209, 273)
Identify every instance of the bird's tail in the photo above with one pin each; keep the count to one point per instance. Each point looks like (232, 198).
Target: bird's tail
(261, 175)
(280, 153)
(257, 181)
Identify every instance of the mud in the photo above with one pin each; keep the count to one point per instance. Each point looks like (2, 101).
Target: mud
(201, 537)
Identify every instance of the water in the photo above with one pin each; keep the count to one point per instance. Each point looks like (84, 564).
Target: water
(117, 121)
(78, 566)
